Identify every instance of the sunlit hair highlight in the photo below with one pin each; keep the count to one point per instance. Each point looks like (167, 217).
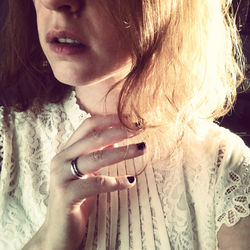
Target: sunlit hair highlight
(187, 62)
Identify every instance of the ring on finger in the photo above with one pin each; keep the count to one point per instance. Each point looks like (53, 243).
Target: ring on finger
(74, 169)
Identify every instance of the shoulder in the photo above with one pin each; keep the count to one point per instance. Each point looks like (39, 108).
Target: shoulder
(231, 166)
(210, 148)
(226, 162)
(232, 191)
(215, 142)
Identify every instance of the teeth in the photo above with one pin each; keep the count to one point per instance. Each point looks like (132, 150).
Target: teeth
(67, 40)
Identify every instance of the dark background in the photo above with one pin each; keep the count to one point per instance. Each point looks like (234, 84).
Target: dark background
(238, 120)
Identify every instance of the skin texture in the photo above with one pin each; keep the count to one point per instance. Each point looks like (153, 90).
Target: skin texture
(105, 57)
(105, 61)
(236, 237)
(100, 66)
(71, 199)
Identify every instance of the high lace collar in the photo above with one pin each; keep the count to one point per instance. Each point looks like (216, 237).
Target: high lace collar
(75, 113)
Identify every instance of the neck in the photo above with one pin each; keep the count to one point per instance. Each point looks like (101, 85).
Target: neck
(96, 98)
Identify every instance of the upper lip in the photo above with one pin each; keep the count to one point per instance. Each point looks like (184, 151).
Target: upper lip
(53, 35)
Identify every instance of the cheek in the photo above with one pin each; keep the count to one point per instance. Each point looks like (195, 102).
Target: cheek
(104, 32)
(110, 45)
(42, 21)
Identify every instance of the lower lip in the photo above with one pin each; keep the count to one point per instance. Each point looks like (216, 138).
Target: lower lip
(67, 49)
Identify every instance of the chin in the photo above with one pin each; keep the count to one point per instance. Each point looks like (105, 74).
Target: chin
(66, 79)
(69, 76)
(75, 75)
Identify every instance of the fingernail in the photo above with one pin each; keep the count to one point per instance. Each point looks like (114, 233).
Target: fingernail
(139, 123)
(141, 146)
(131, 179)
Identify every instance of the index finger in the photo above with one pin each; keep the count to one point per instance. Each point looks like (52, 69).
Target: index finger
(93, 124)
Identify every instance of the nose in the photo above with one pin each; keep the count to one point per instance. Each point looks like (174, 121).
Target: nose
(62, 5)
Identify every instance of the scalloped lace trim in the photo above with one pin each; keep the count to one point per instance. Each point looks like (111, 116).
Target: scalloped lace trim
(233, 195)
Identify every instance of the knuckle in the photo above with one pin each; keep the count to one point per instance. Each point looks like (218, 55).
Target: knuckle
(123, 152)
(56, 166)
(100, 181)
(96, 135)
(97, 155)
(119, 184)
(104, 184)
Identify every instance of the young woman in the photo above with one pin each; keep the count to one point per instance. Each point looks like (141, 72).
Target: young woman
(107, 133)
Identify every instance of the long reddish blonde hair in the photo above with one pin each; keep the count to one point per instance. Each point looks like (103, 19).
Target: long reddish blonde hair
(187, 61)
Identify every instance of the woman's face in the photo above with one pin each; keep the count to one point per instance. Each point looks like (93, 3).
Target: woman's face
(80, 42)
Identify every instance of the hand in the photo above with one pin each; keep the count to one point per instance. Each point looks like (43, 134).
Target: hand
(71, 199)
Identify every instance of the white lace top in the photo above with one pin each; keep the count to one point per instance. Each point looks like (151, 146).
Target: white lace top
(179, 204)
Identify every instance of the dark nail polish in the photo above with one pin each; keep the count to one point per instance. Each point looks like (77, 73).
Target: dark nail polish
(141, 146)
(131, 179)
(138, 124)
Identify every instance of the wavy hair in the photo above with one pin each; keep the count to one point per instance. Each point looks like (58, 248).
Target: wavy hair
(187, 61)
(187, 65)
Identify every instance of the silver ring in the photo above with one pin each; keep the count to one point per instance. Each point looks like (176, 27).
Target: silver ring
(75, 171)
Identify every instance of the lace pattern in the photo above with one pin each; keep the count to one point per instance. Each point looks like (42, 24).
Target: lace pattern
(184, 199)
(232, 197)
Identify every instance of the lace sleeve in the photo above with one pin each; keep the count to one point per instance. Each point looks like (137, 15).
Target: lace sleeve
(232, 191)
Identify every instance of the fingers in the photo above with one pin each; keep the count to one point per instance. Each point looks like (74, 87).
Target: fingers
(93, 124)
(98, 184)
(94, 134)
(95, 141)
(74, 197)
(96, 160)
